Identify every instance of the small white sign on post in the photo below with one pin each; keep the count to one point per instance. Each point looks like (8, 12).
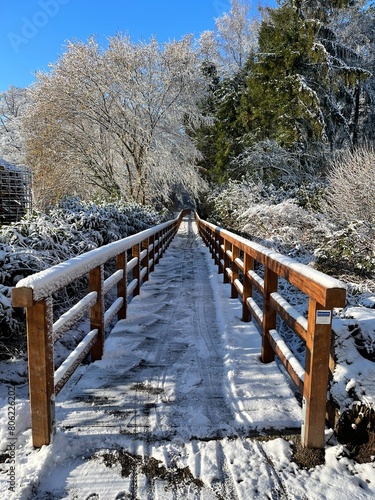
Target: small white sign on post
(323, 317)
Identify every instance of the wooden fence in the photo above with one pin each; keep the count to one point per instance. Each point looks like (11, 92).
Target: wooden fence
(36, 294)
(236, 258)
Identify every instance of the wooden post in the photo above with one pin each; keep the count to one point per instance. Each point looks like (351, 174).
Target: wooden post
(269, 315)
(235, 273)
(152, 253)
(146, 260)
(206, 237)
(156, 247)
(226, 260)
(96, 280)
(212, 243)
(121, 263)
(41, 371)
(161, 243)
(136, 252)
(168, 236)
(168, 232)
(316, 375)
(221, 254)
(217, 248)
(248, 264)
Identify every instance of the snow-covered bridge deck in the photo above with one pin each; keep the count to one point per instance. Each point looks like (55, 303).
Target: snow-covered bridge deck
(182, 363)
(168, 411)
(172, 408)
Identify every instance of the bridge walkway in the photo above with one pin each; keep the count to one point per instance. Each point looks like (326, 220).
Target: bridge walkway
(171, 409)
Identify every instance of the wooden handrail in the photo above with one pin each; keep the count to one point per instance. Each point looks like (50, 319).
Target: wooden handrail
(235, 256)
(35, 294)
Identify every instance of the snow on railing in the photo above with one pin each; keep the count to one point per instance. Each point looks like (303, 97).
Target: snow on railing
(236, 258)
(36, 291)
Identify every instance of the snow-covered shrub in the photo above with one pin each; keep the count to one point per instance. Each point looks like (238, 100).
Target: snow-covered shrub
(7, 323)
(75, 227)
(283, 217)
(351, 190)
(267, 161)
(350, 202)
(308, 195)
(271, 163)
(225, 203)
(41, 240)
(286, 227)
(348, 250)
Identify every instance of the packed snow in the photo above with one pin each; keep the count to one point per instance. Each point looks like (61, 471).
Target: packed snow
(180, 405)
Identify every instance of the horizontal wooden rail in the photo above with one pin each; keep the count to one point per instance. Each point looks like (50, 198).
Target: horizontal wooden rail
(35, 294)
(237, 257)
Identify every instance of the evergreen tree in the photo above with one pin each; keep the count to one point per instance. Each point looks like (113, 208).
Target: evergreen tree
(227, 131)
(301, 80)
(354, 28)
(224, 53)
(279, 104)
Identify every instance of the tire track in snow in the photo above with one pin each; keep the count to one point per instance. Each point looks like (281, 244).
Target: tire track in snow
(177, 372)
(278, 491)
(206, 338)
(224, 487)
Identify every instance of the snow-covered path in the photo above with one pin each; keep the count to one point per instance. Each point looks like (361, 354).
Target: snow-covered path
(170, 368)
(172, 409)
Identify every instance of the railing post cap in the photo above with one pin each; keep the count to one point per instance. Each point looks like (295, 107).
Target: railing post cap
(22, 297)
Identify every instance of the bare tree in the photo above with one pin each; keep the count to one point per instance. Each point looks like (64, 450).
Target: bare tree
(13, 105)
(235, 37)
(118, 117)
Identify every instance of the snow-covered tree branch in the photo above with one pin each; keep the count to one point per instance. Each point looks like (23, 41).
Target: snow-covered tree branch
(116, 118)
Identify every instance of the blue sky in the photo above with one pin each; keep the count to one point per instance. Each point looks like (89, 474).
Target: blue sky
(33, 32)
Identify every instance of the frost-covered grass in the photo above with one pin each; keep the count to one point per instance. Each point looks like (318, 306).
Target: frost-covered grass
(41, 240)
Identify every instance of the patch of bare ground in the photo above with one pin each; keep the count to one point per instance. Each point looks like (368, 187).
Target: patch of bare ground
(307, 458)
(356, 431)
(151, 468)
(366, 452)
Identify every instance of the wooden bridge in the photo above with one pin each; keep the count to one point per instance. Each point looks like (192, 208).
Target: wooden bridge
(254, 274)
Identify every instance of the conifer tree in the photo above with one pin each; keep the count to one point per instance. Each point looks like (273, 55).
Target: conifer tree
(279, 104)
(301, 80)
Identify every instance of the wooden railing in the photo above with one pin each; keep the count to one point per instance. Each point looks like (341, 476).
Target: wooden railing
(35, 293)
(236, 258)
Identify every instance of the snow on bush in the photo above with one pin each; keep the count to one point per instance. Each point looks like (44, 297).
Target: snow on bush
(286, 227)
(41, 240)
(350, 202)
(281, 217)
(351, 190)
(227, 202)
(349, 250)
